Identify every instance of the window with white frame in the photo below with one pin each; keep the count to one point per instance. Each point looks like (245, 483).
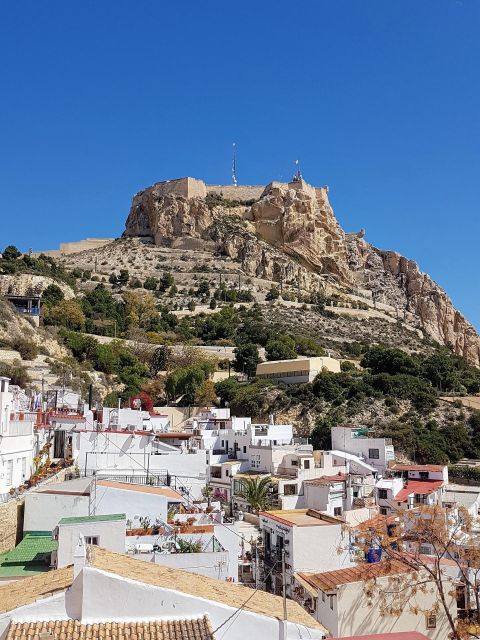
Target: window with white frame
(92, 540)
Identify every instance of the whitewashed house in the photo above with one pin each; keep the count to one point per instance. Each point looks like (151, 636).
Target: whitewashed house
(17, 442)
(410, 486)
(141, 599)
(351, 601)
(309, 540)
(376, 452)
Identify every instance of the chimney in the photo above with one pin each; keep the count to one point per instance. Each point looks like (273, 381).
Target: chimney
(80, 556)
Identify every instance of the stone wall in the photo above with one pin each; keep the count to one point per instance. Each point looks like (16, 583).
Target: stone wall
(11, 524)
(242, 192)
(67, 248)
(184, 187)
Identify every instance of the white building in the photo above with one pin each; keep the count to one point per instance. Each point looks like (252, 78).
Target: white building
(377, 452)
(460, 495)
(310, 540)
(340, 600)
(16, 442)
(107, 531)
(410, 486)
(105, 588)
(123, 454)
(298, 370)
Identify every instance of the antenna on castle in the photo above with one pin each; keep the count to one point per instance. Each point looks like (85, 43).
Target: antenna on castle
(298, 175)
(234, 165)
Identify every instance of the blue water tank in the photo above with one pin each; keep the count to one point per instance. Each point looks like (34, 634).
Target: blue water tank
(374, 555)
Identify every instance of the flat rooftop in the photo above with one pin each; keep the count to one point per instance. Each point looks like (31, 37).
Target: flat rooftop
(301, 517)
(111, 517)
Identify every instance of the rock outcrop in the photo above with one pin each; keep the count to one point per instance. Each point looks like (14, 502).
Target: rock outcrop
(290, 235)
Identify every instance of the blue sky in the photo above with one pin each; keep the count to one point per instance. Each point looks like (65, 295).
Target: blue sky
(378, 99)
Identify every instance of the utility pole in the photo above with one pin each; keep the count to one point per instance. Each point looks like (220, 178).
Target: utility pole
(284, 585)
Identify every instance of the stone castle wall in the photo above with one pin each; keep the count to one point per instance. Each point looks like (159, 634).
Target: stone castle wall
(242, 192)
(184, 187)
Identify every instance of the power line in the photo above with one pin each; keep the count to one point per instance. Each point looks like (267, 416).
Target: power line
(241, 607)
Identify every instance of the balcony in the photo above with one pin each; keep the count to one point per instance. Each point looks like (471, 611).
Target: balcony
(19, 428)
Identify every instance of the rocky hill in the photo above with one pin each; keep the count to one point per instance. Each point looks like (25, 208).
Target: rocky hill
(288, 234)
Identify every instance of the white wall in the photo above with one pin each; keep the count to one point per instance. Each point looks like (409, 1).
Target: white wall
(354, 618)
(105, 596)
(111, 535)
(43, 511)
(132, 503)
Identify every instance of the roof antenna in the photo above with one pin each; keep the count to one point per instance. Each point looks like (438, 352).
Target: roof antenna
(234, 165)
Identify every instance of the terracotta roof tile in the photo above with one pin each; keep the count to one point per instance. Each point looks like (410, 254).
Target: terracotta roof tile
(417, 467)
(330, 580)
(197, 629)
(230, 594)
(421, 487)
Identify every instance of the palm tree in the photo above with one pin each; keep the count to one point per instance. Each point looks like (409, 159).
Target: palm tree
(256, 492)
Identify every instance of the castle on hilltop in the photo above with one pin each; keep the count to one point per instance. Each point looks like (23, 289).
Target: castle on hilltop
(193, 188)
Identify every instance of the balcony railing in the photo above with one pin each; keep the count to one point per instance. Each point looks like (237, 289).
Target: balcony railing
(19, 428)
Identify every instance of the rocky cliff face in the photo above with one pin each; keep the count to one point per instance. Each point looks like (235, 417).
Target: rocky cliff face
(290, 234)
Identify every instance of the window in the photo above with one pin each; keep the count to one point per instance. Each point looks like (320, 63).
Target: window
(331, 603)
(290, 490)
(9, 479)
(374, 454)
(424, 549)
(226, 473)
(323, 596)
(423, 475)
(294, 463)
(383, 511)
(383, 494)
(431, 621)
(244, 449)
(306, 464)
(337, 511)
(92, 540)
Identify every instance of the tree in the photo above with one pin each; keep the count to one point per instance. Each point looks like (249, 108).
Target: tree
(446, 534)
(205, 395)
(140, 308)
(246, 359)
(272, 294)
(159, 359)
(203, 289)
(281, 348)
(256, 492)
(191, 305)
(213, 303)
(150, 283)
(113, 279)
(11, 253)
(17, 373)
(52, 295)
(123, 277)
(380, 359)
(166, 281)
(67, 313)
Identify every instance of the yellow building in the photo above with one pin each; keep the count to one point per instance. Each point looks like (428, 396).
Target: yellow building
(298, 370)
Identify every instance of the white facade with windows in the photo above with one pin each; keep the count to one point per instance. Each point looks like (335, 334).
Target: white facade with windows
(377, 452)
(16, 442)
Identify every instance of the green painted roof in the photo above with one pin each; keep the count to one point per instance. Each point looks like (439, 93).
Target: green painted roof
(85, 519)
(30, 556)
